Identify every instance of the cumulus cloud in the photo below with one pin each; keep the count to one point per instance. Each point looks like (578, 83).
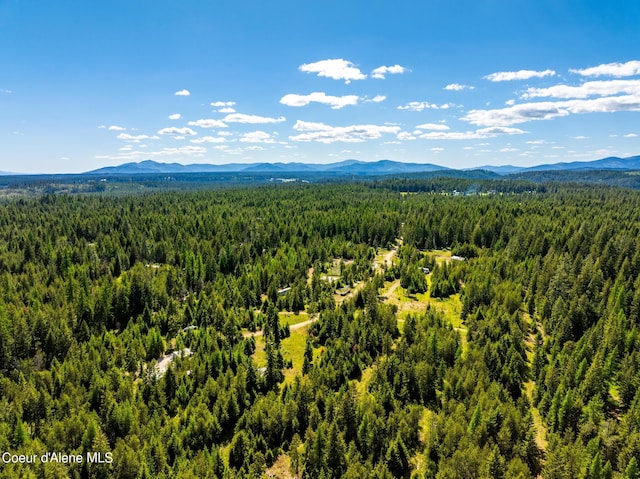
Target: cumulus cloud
(627, 69)
(519, 75)
(175, 116)
(252, 119)
(208, 123)
(176, 131)
(471, 135)
(226, 109)
(183, 150)
(257, 137)
(381, 71)
(219, 104)
(336, 102)
(323, 133)
(433, 126)
(209, 139)
(182, 93)
(458, 87)
(136, 138)
(423, 105)
(526, 112)
(337, 69)
(630, 135)
(116, 128)
(405, 135)
(587, 89)
(378, 99)
(196, 151)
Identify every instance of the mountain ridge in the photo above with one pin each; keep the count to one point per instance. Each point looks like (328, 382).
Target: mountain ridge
(356, 167)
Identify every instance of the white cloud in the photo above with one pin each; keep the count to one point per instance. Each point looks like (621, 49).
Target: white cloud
(336, 102)
(630, 135)
(209, 139)
(580, 137)
(116, 128)
(136, 138)
(519, 75)
(182, 93)
(337, 69)
(196, 151)
(433, 126)
(310, 126)
(378, 99)
(252, 119)
(536, 142)
(226, 109)
(404, 135)
(458, 87)
(611, 69)
(508, 150)
(208, 123)
(175, 116)
(381, 71)
(546, 110)
(257, 137)
(587, 89)
(176, 131)
(254, 148)
(437, 149)
(183, 150)
(349, 134)
(219, 104)
(471, 135)
(423, 105)
(510, 102)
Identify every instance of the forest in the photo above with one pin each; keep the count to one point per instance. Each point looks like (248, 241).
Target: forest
(382, 329)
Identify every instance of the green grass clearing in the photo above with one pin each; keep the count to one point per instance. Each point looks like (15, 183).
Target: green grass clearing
(292, 349)
(292, 318)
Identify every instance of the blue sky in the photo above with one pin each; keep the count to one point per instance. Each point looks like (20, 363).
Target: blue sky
(460, 84)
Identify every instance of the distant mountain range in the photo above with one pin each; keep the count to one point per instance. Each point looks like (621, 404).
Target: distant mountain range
(354, 167)
(347, 167)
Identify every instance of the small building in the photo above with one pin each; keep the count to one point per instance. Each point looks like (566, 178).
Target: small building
(283, 291)
(426, 270)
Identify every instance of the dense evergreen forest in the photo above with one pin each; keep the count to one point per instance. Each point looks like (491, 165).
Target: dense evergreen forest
(160, 331)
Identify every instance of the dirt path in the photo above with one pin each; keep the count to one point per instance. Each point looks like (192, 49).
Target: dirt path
(388, 258)
(538, 424)
(164, 362)
(395, 285)
(293, 327)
